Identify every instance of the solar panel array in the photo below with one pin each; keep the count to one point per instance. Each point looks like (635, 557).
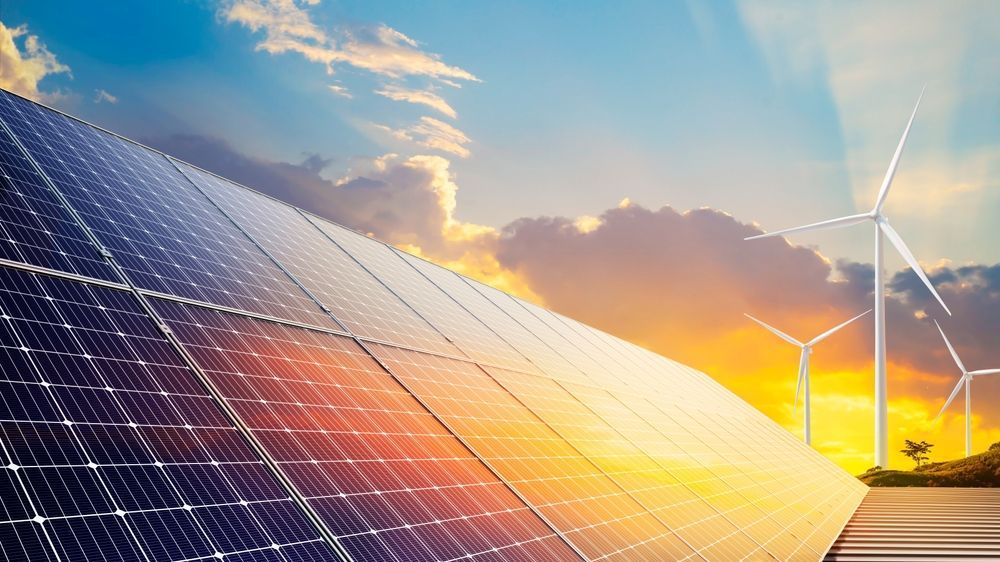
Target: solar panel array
(190, 370)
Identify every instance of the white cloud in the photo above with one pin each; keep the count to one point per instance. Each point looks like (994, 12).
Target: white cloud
(421, 97)
(432, 133)
(379, 49)
(104, 96)
(340, 90)
(22, 68)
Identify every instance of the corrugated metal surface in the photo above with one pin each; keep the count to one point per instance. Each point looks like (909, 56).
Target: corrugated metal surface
(922, 524)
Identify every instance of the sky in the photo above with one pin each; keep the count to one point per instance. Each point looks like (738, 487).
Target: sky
(605, 160)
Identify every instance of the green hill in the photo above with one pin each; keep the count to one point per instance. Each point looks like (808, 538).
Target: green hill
(977, 471)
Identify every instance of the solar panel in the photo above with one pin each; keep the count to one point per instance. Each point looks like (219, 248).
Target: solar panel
(543, 356)
(554, 340)
(35, 228)
(166, 235)
(609, 356)
(359, 300)
(469, 333)
(632, 469)
(602, 369)
(601, 518)
(111, 450)
(317, 395)
(388, 479)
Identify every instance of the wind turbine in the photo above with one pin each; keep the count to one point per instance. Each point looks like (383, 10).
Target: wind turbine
(966, 380)
(803, 379)
(882, 227)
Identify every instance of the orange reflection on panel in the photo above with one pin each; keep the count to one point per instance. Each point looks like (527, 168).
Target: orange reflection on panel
(589, 508)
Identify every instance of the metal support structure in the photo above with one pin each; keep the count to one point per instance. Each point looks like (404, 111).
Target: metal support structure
(881, 386)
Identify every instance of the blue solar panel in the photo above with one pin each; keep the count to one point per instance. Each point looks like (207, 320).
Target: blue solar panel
(470, 334)
(166, 234)
(354, 295)
(250, 428)
(35, 228)
(112, 450)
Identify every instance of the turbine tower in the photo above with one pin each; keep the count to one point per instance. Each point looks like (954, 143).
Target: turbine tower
(882, 227)
(803, 379)
(964, 380)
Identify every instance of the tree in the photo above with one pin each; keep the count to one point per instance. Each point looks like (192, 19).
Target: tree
(917, 451)
(995, 446)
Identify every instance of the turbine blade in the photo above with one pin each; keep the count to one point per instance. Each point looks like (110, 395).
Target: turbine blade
(831, 331)
(954, 354)
(897, 241)
(883, 192)
(803, 362)
(985, 372)
(954, 393)
(832, 223)
(776, 332)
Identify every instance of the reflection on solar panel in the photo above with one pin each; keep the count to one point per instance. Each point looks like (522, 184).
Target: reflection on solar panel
(384, 474)
(194, 371)
(469, 333)
(160, 229)
(357, 298)
(112, 450)
(36, 228)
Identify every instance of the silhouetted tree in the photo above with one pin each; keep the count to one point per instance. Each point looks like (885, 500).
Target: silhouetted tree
(995, 446)
(917, 451)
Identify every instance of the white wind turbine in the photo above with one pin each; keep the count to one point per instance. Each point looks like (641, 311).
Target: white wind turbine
(964, 380)
(803, 380)
(881, 228)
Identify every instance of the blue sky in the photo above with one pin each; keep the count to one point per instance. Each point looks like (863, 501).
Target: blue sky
(774, 112)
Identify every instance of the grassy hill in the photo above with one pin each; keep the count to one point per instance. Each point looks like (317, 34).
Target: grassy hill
(977, 471)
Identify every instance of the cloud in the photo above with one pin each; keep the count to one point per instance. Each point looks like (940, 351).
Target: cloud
(422, 97)
(103, 96)
(404, 200)
(23, 67)
(379, 49)
(432, 133)
(340, 90)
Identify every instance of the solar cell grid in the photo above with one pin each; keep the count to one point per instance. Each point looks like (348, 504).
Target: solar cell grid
(757, 475)
(602, 370)
(590, 510)
(740, 470)
(166, 235)
(605, 366)
(469, 333)
(354, 296)
(541, 330)
(545, 358)
(631, 468)
(385, 476)
(111, 449)
(593, 342)
(703, 527)
(35, 228)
